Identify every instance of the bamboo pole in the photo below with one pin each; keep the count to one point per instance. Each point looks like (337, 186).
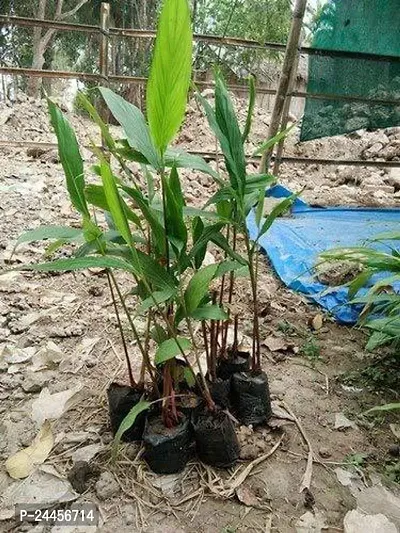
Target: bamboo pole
(104, 44)
(287, 68)
(285, 116)
(104, 56)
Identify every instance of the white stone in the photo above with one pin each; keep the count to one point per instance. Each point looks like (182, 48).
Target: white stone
(357, 522)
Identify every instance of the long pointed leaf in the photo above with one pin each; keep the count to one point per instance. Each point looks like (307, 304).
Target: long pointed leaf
(127, 423)
(250, 109)
(79, 263)
(70, 157)
(198, 287)
(114, 202)
(134, 125)
(41, 233)
(169, 79)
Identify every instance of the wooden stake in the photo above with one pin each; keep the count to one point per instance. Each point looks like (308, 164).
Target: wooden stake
(287, 68)
(104, 44)
(285, 116)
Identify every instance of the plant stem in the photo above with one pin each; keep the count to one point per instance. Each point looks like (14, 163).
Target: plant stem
(256, 363)
(128, 362)
(135, 333)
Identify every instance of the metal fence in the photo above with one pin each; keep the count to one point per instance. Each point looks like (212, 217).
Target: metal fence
(284, 91)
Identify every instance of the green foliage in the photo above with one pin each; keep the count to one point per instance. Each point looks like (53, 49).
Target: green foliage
(380, 299)
(198, 287)
(311, 349)
(127, 423)
(142, 225)
(384, 408)
(50, 232)
(134, 125)
(171, 348)
(70, 157)
(170, 73)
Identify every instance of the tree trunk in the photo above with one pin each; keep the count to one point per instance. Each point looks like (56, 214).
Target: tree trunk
(38, 57)
(41, 41)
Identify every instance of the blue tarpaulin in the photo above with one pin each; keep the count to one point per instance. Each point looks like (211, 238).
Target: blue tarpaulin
(294, 243)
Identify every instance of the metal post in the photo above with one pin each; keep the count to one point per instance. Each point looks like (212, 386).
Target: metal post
(284, 81)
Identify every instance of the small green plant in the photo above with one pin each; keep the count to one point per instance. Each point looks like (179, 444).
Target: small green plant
(311, 349)
(356, 459)
(150, 233)
(381, 304)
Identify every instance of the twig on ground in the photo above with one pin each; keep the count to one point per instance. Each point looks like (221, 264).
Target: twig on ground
(306, 481)
(227, 489)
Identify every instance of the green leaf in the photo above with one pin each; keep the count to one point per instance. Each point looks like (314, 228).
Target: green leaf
(198, 252)
(127, 423)
(384, 408)
(171, 348)
(170, 73)
(250, 110)
(154, 273)
(79, 263)
(386, 236)
(189, 376)
(209, 312)
(196, 212)
(158, 334)
(41, 233)
(278, 210)
(255, 182)
(359, 282)
(157, 297)
(150, 216)
(377, 339)
(202, 236)
(267, 145)
(198, 287)
(228, 266)
(84, 101)
(221, 241)
(70, 157)
(95, 196)
(180, 159)
(174, 220)
(114, 202)
(133, 124)
(228, 124)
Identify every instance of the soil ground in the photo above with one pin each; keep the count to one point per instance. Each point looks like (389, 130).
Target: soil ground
(307, 366)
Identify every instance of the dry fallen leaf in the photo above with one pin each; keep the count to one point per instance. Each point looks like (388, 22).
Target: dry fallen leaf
(14, 355)
(395, 428)
(342, 422)
(52, 406)
(86, 453)
(44, 487)
(317, 322)
(24, 462)
(246, 496)
(75, 362)
(47, 356)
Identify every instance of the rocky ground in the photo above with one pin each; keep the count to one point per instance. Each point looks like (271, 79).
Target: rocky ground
(60, 350)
